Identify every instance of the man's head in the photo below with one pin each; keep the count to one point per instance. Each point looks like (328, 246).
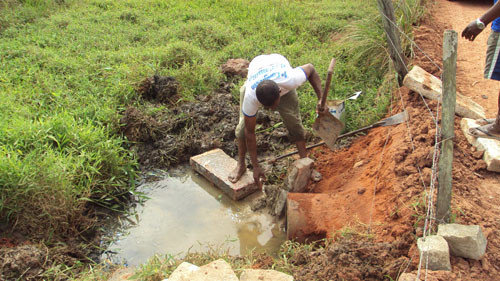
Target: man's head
(268, 93)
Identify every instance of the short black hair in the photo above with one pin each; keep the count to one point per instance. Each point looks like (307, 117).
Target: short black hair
(267, 92)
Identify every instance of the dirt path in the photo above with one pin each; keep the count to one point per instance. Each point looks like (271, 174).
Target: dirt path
(471, 55)
(377, 185)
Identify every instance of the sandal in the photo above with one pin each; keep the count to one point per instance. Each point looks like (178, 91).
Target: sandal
(482, 132)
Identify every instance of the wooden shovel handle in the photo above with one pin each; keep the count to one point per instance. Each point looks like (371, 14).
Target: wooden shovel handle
(327, 83)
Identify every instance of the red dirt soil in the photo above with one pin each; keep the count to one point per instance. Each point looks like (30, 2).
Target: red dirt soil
(379, 181)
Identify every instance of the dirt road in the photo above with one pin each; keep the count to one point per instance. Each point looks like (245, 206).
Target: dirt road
(471, 55)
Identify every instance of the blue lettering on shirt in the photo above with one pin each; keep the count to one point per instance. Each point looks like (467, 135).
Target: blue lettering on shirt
(271, 76)
(271, 68)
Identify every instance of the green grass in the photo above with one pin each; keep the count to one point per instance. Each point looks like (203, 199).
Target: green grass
(69, 68)
(159, 267)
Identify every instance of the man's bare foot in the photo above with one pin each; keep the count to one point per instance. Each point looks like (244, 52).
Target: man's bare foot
(237, 173)
(495, 128)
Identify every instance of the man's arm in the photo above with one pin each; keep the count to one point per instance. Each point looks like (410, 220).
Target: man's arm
(252, 149)
(471, 31)
(313, 78)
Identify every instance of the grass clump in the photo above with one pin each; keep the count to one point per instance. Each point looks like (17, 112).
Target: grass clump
(208, 34)
(52, 166)
(181, 53)
(15, 13)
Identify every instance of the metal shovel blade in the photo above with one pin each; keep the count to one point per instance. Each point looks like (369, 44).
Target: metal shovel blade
(394, 119)
(328, 128)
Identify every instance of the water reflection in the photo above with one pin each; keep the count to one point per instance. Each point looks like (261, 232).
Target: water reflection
(185, 212)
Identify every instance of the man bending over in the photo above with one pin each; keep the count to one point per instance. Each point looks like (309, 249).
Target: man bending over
(271, 83)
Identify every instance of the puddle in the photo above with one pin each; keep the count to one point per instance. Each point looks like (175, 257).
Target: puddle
(184, 213)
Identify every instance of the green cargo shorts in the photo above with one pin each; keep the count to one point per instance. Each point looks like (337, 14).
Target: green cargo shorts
(289, 112)
(492, 67)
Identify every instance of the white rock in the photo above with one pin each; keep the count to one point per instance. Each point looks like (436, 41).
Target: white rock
(358, 164)
(182, 272)
(280, 203)
(435, 252)
(407, 277)
(430, 87)
(299, 175)
(264, 275)
(316, 176)
(218, 270)
(467, 241)
(490, 147)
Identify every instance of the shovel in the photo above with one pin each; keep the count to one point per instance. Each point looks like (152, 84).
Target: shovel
(327, 126)
(389, 121)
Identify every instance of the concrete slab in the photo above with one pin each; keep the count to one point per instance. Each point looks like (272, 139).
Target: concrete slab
(430, 87)
(215, 165)
(490, 147)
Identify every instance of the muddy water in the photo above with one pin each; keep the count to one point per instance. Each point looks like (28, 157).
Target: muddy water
(184, 213)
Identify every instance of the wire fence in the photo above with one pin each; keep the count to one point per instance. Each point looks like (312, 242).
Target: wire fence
(428, 190)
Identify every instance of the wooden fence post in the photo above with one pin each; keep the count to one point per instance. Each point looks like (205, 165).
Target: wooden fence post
(387, 12)
(443, 211)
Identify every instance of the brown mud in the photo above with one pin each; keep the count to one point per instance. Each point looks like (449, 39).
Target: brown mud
(170, 136)
(22, 260)
(160, 89)
(353, 257)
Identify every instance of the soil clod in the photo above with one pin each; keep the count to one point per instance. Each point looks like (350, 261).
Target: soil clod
(160, 89)
(236, 67)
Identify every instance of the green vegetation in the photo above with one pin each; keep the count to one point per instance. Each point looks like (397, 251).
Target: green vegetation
(159, 267)
(59, 103)
(69, 68)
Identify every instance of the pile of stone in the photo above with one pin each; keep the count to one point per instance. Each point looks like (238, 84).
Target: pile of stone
(420, 81)
(467, 241)
(220, 270)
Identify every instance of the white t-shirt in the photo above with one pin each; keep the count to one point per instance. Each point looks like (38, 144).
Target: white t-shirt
(270, 67)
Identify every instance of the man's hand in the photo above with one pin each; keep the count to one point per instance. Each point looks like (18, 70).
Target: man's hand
(471, 31)
(320, 110)
(258, 174)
